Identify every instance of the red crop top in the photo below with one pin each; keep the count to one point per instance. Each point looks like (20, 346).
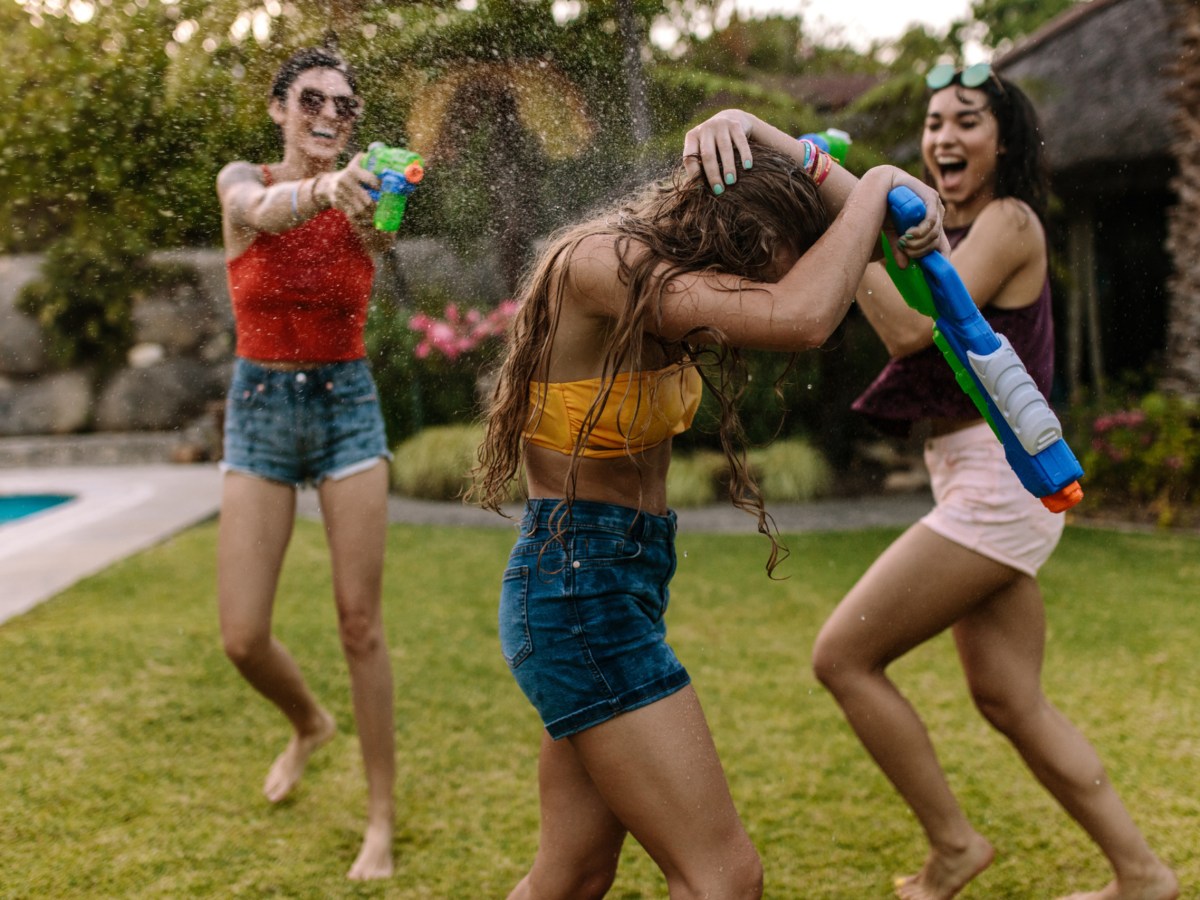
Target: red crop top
(301, 295)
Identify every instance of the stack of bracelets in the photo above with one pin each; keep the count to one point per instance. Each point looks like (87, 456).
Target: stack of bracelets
(817, 163)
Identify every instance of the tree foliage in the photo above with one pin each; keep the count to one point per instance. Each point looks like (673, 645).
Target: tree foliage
(120, 114)
(1007, 21)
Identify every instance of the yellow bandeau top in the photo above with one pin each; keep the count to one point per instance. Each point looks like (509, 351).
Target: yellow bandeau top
(642, 410)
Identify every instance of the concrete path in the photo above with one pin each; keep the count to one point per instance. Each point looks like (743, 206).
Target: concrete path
(120, 510)
(115, 512)
(821, 515)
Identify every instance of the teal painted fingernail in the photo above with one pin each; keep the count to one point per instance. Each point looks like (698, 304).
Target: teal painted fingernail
(729, 178)
(718, 189)
(747, 163)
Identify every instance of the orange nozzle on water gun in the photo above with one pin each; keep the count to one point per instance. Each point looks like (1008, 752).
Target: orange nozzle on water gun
(1064, 498)
(414, 172)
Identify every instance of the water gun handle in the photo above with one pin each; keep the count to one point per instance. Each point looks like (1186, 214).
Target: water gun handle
(399, 171)
(986, 367)
(391, 200)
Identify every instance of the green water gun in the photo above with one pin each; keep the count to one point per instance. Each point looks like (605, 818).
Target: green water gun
(399, 171)
(833, 141)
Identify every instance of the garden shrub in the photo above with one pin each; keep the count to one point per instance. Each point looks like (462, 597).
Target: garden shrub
(694, 479)
(84, 295)
(436, 463)
(791, 471)
(1147, 454)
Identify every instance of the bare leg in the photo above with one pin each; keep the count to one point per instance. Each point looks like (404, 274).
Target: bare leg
(1001, 645)
(920, 586)
(355, 513)
(255, 527)
(656, 772)
(580, 840)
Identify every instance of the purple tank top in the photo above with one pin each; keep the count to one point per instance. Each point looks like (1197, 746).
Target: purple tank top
(922, 386)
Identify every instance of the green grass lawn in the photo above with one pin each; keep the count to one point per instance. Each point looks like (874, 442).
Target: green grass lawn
(132, 754)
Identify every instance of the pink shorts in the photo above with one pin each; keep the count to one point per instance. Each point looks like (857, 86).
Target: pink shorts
(981, 504)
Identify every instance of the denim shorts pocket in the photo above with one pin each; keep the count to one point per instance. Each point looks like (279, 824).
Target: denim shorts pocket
(515, 641)
(593, 549)
(352, 387)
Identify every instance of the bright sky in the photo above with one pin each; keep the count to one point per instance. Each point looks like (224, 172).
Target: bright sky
(861, 21)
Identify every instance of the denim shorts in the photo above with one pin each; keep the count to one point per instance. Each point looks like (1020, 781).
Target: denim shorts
(581, 619)
(303, 426)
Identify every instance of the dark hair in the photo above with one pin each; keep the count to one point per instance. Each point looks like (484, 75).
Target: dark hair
(671, 228)
(310, 58)
(1021, 169)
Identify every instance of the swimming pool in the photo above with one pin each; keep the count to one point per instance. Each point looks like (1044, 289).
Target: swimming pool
(18, 506)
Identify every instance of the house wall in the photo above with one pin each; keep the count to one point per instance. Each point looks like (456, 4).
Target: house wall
(1099, 77)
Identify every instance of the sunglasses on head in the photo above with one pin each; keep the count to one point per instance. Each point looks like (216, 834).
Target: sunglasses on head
(945, 74)
(345, 106)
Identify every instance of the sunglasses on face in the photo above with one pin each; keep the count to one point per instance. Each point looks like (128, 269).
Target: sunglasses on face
(345, 106)
(945, 74)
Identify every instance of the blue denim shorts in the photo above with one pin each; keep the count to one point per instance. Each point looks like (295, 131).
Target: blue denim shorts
(581, 619)
(304, 426)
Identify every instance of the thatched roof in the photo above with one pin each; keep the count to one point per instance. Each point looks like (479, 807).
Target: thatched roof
(1098, 75)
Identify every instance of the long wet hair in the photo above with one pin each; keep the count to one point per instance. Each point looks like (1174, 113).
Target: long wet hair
(670, 228)
(1021, 169)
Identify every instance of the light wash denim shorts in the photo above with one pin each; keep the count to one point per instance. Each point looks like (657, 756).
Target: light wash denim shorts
(581, 618)
(304, 426)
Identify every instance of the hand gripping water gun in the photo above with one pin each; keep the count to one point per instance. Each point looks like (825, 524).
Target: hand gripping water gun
(833, 141)
(399, 171)
(986, 367)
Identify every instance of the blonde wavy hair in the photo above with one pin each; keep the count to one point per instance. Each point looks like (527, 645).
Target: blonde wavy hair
(685, 228)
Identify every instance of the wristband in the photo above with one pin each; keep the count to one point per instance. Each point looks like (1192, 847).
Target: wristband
(809, 149)
(295, 198)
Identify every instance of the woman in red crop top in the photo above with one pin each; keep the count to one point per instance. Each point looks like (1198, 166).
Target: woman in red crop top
(302, 408)
(971, 564)
(600, 373)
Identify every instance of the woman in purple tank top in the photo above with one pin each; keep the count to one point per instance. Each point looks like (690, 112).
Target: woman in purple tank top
(971, 564)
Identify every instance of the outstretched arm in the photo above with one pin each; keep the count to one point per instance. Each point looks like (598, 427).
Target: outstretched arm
(1002, 262)
(249, 206)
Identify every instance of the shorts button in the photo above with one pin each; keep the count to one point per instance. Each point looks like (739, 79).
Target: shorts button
(575, 565)
(301, 377)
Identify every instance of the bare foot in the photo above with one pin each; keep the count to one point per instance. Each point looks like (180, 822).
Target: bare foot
(289, 765)
(944, 875)
(375, 857)
(1159, 883)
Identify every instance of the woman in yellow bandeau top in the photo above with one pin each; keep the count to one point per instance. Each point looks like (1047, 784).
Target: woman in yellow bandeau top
(756, 241)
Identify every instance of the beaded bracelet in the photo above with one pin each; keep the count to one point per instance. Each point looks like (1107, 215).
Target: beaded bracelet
(824, 167)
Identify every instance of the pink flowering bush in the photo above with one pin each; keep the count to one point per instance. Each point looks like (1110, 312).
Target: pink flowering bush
(1147, 455)
(458, 333)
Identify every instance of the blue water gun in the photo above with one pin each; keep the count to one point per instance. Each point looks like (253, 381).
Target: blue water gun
(986, 367)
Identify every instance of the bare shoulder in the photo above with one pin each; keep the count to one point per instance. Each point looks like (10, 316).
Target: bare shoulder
(1009, 218)
(591, 272)
(238, 172)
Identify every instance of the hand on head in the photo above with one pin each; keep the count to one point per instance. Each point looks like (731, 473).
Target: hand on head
(710, 146)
